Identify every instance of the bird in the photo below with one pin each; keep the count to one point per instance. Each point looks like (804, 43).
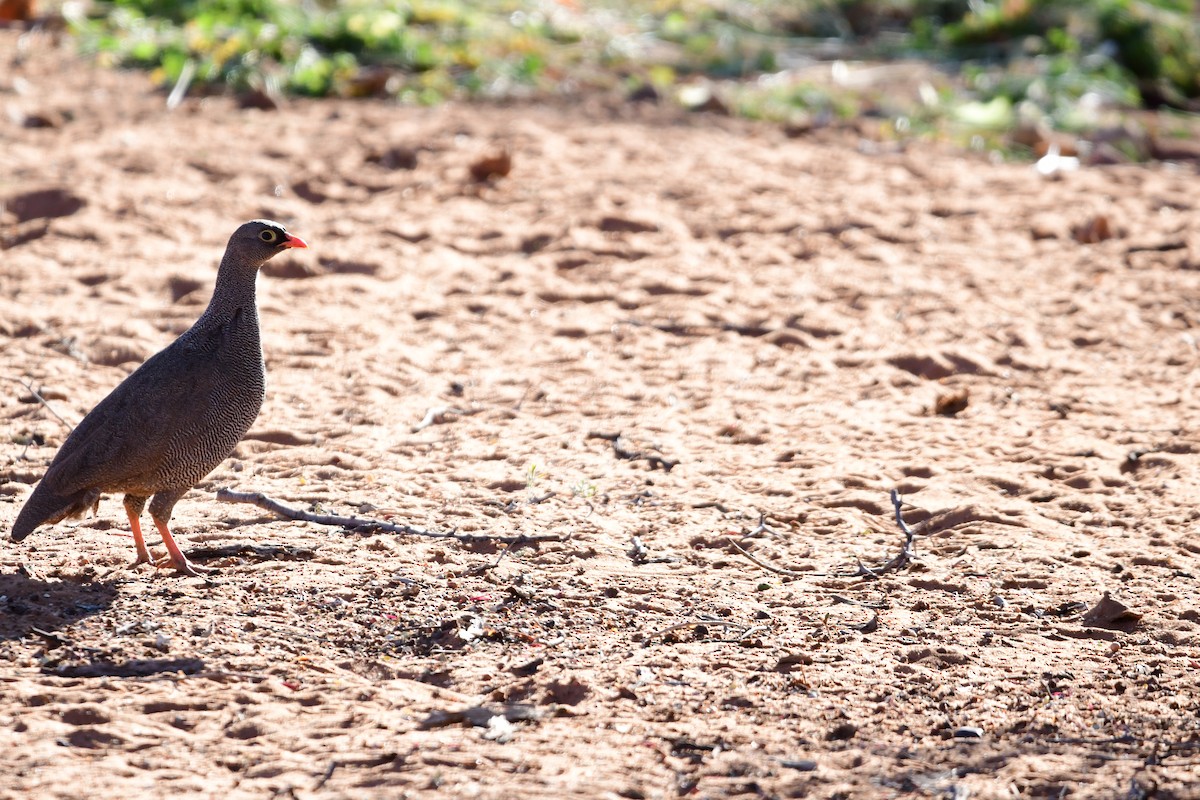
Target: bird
(174, 418)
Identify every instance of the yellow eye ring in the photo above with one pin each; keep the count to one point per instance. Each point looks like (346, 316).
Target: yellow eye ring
(268, 236)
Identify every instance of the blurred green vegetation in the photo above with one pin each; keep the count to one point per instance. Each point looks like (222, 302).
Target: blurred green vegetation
(989, 67)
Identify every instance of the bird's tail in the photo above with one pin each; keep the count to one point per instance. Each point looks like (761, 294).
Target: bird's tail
(46, 505)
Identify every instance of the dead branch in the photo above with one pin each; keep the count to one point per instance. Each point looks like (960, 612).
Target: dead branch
(524, 395)
(1126, 739)
(841, 598)
(45, 403)
(680, 329)
(706, 622)
(639, 554)
(480, 569)
(762, 526)
(135, 668)
(438, 414)
(329, 770)
(619, 450)
(366, 525)
(901, 559)
(790, 573)
(742, 637)
(515, 503)
(359, 761)
(218, 675)
(268, 552)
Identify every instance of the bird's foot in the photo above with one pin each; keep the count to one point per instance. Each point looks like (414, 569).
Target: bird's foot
(182, 566)
(143, 557)
(143, 552)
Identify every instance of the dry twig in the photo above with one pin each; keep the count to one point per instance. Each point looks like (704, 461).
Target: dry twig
(45, 403)
(705, 622)
(360, 761)
(619, 450)
(480, 569)
(366, 525)
(263, 551)
(682, 329)
(790, 573)
(901, 559)
(639, 554)
(762, 527)
(841, 598)
(438, 414)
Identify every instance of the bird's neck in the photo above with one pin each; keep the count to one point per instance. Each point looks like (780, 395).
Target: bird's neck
(233, 296)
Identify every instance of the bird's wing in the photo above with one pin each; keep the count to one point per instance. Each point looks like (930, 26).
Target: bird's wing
(128, 434)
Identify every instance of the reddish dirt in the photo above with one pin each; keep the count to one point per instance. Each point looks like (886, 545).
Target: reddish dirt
(778, 318)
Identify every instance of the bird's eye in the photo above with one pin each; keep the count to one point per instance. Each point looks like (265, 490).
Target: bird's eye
(268, 236)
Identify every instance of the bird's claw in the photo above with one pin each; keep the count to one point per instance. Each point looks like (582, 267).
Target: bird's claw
(183, 567)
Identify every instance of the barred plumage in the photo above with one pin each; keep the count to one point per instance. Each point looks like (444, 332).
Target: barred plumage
(176, 417)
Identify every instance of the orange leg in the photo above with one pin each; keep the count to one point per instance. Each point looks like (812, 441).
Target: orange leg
(143, 554)
(175, 557)
(133, 507)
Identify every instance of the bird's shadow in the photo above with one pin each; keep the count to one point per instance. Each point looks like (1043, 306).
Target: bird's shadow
(28, 604)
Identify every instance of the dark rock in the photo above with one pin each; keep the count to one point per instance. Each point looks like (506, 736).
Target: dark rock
(43, 204)
(397, 157)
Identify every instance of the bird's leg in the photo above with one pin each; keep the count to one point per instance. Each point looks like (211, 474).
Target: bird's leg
(133, 507)
(175, 557)
(160, 511)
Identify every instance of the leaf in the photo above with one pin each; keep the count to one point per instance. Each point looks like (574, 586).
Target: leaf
(995, 114)
(1110, 613)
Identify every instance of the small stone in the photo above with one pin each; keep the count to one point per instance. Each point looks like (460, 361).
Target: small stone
(493, 165)
(17, 10)
(951, 403)
(48, 119)
(842, 731)
(968, 732)
(260, 98)
(85, 715)
(396, 157)
(645, 93)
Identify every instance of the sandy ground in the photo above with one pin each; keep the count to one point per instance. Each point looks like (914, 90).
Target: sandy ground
(771, 324)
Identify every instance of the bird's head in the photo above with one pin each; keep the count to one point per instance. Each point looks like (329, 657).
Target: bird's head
(255, 242)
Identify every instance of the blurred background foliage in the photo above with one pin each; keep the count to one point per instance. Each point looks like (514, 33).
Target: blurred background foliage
(999, 73)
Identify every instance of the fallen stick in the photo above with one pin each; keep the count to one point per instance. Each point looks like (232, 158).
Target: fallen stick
(360, 524)
(901, 559)
(45, 403)
(621, 452)
(263, 551)
(790, 573)
(705, 621)
(438, 414)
